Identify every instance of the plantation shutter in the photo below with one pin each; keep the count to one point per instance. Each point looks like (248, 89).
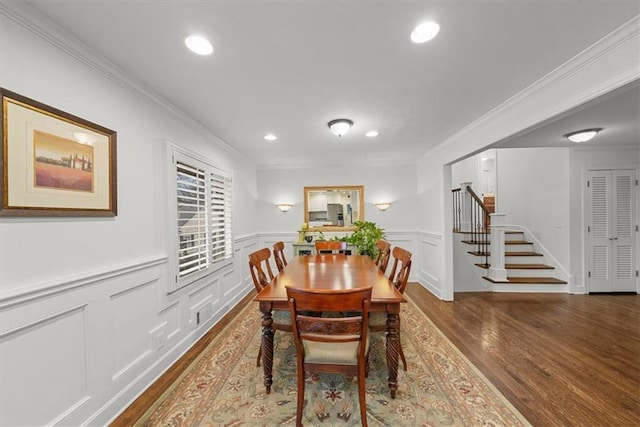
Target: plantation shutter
(192, 219)
(221, 247)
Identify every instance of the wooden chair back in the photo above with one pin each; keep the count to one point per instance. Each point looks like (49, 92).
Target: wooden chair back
(384, 253)
(331, 344)
(278, 255)
(401, 267)
(260, 268)
(330, 247)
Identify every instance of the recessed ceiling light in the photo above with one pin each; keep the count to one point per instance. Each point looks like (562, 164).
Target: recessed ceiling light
(425, 32)
(372, 133)
(270, 137)
(199, 45)
(582, 135)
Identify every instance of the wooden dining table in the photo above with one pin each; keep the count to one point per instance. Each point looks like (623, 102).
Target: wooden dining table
(332, 272)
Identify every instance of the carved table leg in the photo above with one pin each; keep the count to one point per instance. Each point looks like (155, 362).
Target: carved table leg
(267, 348)
(393, 350)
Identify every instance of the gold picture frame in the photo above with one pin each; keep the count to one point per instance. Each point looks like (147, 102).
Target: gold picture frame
(54, 163)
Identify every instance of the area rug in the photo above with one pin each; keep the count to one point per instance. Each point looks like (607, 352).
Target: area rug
(223, 386)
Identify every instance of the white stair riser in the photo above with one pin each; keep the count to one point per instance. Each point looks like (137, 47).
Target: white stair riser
(518, 248)
(529, 273)
(529, 288)
(510, 237)
(524, 260)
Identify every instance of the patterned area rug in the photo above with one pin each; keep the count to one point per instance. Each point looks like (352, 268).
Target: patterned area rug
(223, 387)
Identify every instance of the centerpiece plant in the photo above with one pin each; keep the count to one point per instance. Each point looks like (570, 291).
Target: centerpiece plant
(365, 236)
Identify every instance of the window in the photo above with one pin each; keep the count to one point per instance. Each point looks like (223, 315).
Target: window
(202, 217)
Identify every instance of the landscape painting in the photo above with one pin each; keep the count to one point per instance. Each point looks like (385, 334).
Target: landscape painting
(62, 163)
(54, 163)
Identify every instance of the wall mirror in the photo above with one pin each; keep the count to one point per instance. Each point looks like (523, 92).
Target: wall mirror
(333, 208)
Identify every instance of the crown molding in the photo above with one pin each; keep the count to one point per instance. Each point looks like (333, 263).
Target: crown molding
(37, 23)
(624, 37)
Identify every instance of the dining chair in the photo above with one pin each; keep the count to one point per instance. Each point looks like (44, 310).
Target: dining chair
(399, 277)
(262, 274)
(330, 247)
(331, 344)
(278, 255)
(384, 251)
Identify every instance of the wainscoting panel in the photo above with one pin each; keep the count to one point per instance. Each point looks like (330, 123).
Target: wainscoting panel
(51, 376)
(78, 351)
(430, 263)
(133, 310)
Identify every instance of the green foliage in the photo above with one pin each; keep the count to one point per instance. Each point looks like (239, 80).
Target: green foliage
(365, 237)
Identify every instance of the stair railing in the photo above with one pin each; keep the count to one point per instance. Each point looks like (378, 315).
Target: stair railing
(480, 232)
(470, 215)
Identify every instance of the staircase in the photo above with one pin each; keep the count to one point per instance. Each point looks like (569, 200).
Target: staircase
(518, 266)
(526, 268)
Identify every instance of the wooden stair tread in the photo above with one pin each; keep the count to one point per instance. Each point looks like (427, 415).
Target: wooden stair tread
(478, 253)
(528, 266)
(521, 280)
(487, 232)
(523, 253)
(520, 266)
(508, 242)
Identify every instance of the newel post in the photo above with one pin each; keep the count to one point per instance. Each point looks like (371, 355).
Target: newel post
(497, 271)
(465, 207)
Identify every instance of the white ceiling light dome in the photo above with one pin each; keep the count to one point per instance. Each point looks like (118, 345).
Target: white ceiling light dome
(425, 32)
(198, 44)
(340, 126)
(582, 135)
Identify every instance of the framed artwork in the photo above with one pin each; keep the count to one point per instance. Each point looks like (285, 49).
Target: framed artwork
(54, 163)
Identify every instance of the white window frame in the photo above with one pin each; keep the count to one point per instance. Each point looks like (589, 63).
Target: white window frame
(214, 250)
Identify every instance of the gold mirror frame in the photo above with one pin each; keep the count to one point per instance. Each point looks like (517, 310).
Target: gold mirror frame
(357, 216)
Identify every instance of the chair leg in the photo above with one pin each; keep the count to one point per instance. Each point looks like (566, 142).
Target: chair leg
(300, 407)
(260, 356)
(404, 360)
(362, 395)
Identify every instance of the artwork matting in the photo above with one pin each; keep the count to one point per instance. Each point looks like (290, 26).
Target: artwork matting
(54, 163)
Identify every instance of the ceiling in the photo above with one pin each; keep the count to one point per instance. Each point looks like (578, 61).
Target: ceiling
(289, 67)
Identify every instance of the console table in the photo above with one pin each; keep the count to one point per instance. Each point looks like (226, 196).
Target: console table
(302, 249)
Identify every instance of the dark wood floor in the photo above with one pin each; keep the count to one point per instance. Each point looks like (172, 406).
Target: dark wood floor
(562, 360)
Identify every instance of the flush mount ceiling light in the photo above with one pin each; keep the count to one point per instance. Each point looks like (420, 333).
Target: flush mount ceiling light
(425, 32)
(199, 45)
(340, 126)
(270, 137)
(582, 135)
(372, 133)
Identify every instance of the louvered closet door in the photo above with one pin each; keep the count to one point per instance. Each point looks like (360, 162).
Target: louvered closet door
(612, 228)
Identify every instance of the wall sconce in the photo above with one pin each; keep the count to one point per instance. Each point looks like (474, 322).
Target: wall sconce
(383, 206)
(284, 207)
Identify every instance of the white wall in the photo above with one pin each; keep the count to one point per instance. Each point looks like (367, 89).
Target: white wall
(396, 184)
(533, 184)
(86, 323)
